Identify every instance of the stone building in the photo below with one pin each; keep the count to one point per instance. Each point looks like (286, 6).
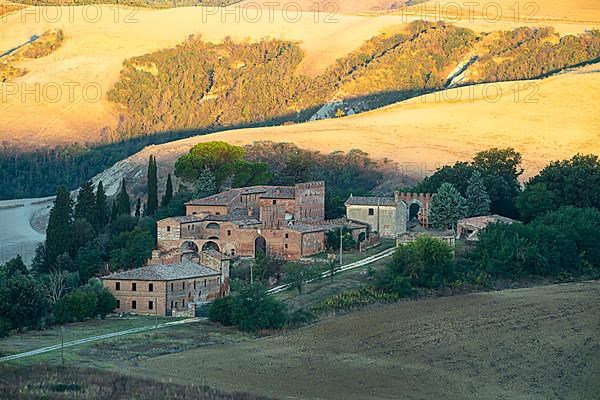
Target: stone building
(167, 289)
(285, 222)
(390, 216)
(468, 228)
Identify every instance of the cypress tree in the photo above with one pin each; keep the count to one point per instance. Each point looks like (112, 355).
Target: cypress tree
(138, 206)
(85, 208)
(478, 199)
(447, 207)
(206, 184)
(59, 226)
(101, 207)
(152, 187)
(114, 211)
(168, 192)
(123, 202)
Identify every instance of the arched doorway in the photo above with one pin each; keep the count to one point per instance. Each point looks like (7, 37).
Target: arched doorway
(260, 245)
(413, 211)
(189, 246)
(210, 246)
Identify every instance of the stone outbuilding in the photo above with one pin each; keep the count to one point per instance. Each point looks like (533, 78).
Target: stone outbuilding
(468, 228)
(390, 216)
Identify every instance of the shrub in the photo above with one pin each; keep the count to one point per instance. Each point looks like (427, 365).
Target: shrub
(78, 305)
(426, 262)
(300, 317)
(220, 311)
(5, 327)
(356, 298)
(250, 308)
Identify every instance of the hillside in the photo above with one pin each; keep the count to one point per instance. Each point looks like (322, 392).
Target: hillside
(533, 343)
(545, 120)
(93, 54)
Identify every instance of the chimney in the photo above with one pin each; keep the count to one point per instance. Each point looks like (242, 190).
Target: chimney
(396, 196)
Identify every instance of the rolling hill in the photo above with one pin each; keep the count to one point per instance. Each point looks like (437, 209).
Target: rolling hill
(95, 47)
(548, 119)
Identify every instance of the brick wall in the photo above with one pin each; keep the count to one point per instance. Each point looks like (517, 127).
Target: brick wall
(310, 201)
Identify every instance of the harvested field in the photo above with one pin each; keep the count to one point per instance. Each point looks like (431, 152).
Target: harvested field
(534, 343)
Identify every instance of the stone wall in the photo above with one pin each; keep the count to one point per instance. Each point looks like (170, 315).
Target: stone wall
(381, 219)
(310, 201)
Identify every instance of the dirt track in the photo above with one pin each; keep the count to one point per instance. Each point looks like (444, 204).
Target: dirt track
(537, 343)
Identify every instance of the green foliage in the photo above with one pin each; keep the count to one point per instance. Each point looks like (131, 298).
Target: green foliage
(79, 305)
(356, 298)
(560, 242)
(426, 262)
(298, 275)
(573, 182)
(250, 308)
(447, 207)
(219, 157)
(168, 196)
(101, 208)
(500, 169)
(122, 202)
(205, 185)
(332, 239)
(535, 200)
(88, 262)
(59, 226)
(5, 327)
(300, 317)
(85, 208)
(22, 302)
(478, 200)
(152, 205)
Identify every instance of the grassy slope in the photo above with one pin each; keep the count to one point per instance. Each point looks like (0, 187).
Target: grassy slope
(535, 343)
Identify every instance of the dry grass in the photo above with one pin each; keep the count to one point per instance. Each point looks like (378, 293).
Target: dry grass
(535, 343)
(56, 383)
(94, 51)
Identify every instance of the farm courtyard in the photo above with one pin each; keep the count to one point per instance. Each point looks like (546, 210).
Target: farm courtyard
(531, 343)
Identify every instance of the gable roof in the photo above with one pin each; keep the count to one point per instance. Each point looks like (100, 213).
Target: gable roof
(165, 272)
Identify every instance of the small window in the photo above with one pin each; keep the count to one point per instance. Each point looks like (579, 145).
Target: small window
(168, 228)
(274, 202)
(228, 232)
(171, 304)
(150, 305)
(151, 287)
(118, 303)
(286, 245)
(171, 286)
(183, 285)
(218, 213)
(287, 235)
(194, 285)
(182, 303)
(371, 211)
(118, 286)
(205, 283)
(133, 287)
(133, 305)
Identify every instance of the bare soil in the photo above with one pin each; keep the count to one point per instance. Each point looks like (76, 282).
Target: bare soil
(533, 343)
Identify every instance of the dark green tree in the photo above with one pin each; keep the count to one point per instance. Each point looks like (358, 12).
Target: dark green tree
(58, 233)
(205, 185)
(138, 207)
(168, 196)
(101, 205)
(123, 202)
(152, 205)
(447, 207)
(535, 200)
(85, 207)
(114, 211)
(478, 200)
